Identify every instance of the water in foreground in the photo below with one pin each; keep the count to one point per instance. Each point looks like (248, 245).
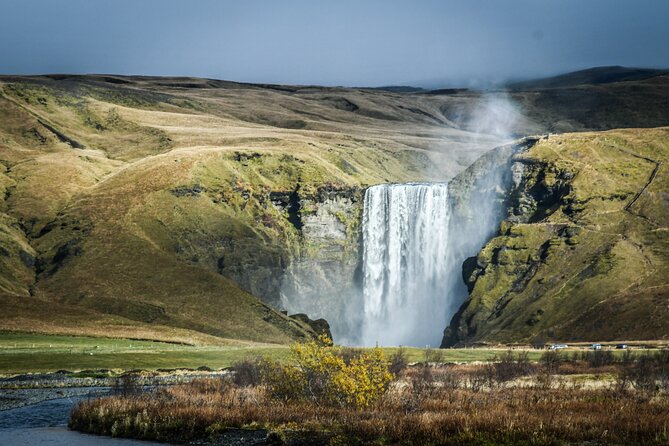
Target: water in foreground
(46, 423)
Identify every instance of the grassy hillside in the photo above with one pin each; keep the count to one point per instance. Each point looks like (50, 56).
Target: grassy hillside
(163, 208)
(584, 254)
(129, 205)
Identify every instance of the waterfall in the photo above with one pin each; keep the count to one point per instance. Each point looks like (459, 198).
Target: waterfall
(406, 281)
(405, 264)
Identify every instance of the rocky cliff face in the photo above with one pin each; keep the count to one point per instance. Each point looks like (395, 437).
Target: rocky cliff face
(323, 254)
(480, 195)
(582, 251)
(302, 238)
(321, 279)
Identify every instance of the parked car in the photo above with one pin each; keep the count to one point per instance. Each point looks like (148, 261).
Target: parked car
(621, 346)
(596, 346)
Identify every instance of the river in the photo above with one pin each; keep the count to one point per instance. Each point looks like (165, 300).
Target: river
(45, 423)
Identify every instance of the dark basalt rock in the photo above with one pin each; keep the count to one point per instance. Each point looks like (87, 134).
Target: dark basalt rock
(187, 191)
(27, 259)
(320, 326)
(290, 201)
(63, 254)
(535, 198)
(332, 192)
(468, 267)
(244, 158)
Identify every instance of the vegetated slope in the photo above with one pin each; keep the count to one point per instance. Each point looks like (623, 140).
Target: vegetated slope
(584, 253)
(164, 208)
(135, 206)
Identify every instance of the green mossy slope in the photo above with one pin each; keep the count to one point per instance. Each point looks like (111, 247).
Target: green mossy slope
(584, 254)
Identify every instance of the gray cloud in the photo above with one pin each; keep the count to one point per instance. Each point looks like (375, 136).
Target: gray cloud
(343, 42)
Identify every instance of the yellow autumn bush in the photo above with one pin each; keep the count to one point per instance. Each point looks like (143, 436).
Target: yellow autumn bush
(318, 373)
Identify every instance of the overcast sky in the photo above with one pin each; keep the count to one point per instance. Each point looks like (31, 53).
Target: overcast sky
(337, 42)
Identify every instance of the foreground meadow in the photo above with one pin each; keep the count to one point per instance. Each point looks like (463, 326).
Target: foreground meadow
(329, 395)
(29, 353)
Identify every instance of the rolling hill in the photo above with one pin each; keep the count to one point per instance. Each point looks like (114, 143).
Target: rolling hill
(590, 76)
(170, 208)
(156, 208)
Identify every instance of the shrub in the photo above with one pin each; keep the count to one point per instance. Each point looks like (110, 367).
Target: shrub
(128, 384)
(504, 367)
(598, 358)
(477, 379)
(421, 387)
(348, 354)
(449, 378)
(320, 374)
(398, 361)
(509, 366)
(648, 373)
(550, 363)
(627, 357)
(551, 360)
(284, 383)
(433, 356)
(247, 372)
(641, 374)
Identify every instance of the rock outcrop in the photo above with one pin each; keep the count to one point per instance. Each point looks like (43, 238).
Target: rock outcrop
(319, 326)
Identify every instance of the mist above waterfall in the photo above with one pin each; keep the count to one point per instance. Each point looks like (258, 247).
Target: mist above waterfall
(494, 114)
(485, 121)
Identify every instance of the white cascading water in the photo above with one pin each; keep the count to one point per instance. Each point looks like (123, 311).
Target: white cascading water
(405, 266)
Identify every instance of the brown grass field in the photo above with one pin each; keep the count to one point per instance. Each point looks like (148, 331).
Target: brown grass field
(590, 398)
